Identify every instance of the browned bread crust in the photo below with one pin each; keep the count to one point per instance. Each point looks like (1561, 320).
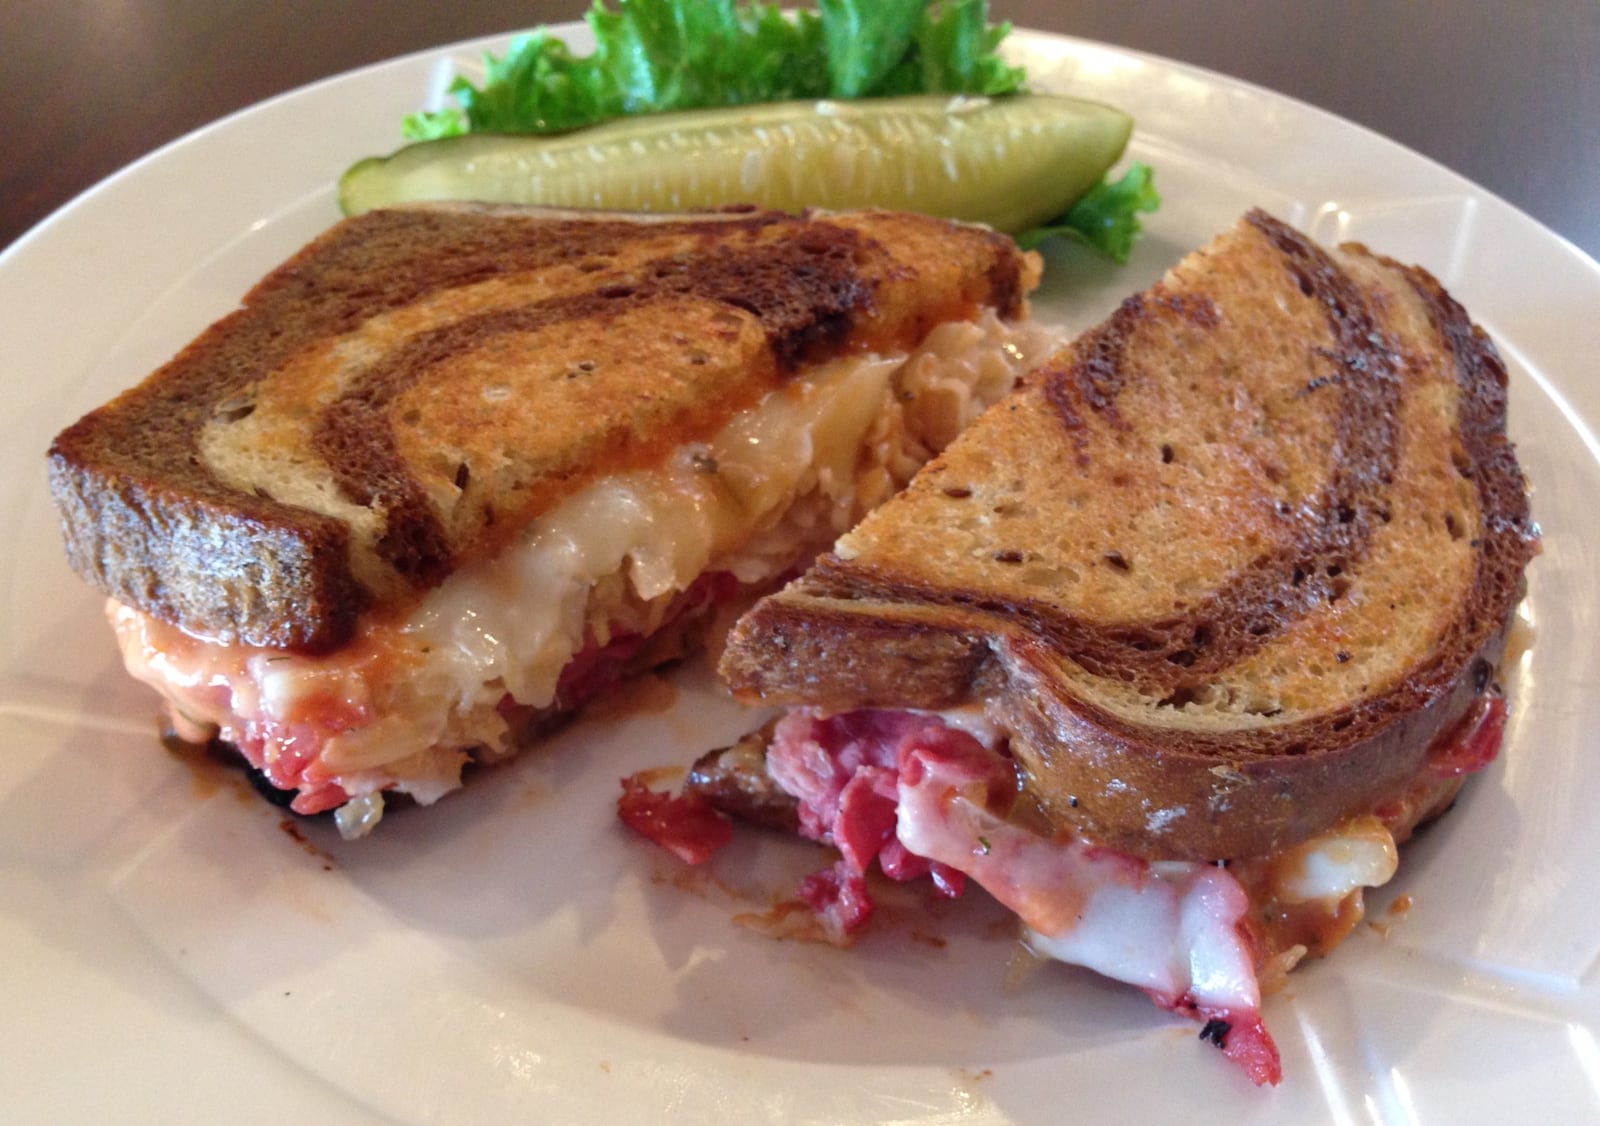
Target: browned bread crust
(1227, 566)
(417, 384)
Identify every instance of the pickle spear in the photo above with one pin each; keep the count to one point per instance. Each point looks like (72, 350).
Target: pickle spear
(1011, 162)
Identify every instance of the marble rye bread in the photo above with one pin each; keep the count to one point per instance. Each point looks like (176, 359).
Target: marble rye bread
(415, 386)
(1227, 566)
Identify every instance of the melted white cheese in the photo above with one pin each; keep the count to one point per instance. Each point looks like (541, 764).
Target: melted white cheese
(778, 483)
(1170, 927)
(1360, 853)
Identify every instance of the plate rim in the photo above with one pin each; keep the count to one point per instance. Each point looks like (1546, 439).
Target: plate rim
(64, 216)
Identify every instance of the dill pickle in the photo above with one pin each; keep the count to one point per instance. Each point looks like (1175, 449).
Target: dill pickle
(1010, 162)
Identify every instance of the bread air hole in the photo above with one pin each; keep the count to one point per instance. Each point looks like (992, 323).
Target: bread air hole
(1049, 577)
(234, 409)
(1219, 699)
(1182, 696)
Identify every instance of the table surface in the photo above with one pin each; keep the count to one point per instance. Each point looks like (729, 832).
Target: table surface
(1507, 95)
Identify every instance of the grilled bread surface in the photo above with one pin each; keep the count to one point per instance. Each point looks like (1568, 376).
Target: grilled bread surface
(415, 386)
(1227, 565)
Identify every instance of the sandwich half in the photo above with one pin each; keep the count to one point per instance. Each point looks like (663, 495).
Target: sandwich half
(454, 468)
(1174, 646)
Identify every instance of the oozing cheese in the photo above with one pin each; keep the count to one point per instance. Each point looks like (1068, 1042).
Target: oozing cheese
(1170, 927)
(932, 793)
(400, 705)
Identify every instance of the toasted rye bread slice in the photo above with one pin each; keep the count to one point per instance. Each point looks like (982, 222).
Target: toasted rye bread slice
(414, 387)
(1226, 566)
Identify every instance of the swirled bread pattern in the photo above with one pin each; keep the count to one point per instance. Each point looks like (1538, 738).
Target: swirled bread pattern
(1227, 565)
(414, 387)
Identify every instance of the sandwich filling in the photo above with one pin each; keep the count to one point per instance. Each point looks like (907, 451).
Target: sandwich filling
(614, 578)
(937, 796)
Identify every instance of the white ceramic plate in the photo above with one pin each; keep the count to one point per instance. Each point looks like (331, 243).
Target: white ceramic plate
(170, 951)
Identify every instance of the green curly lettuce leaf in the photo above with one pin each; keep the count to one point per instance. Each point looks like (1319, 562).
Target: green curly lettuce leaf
(652, 56)
(1107, 218)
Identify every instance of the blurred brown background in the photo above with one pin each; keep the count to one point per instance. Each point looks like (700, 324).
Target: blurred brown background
(1506, 94)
